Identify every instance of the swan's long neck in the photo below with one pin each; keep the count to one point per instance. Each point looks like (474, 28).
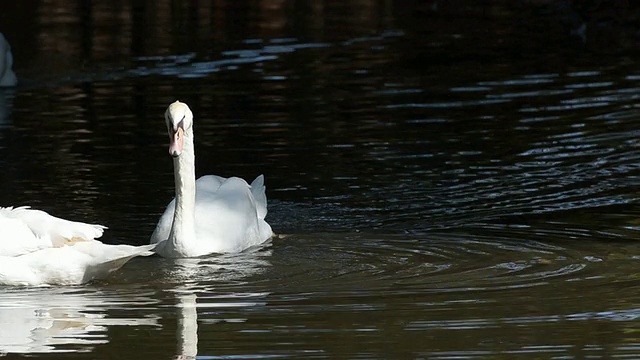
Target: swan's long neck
(182, 233)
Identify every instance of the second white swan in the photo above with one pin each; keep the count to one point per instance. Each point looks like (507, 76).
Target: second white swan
(39, 249)
(7, 76)
(210, 215)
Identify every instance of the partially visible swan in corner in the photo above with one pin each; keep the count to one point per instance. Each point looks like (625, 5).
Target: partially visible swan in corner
(39, 249)
(212, 214)
(7, 76)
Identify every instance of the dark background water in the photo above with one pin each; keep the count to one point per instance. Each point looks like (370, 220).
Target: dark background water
(455, 179)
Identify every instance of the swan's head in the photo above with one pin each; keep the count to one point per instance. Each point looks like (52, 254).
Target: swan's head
(179, 120)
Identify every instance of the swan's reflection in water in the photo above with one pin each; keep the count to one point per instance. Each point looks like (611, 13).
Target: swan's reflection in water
(187, 333)
(43, 320)
(77, 319)
(210, 272)
(202, 280)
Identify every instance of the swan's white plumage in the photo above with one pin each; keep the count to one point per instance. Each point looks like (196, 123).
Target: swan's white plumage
(229, 216)
(24, 230)
(39, 249)
(7, 76)
(215, 214)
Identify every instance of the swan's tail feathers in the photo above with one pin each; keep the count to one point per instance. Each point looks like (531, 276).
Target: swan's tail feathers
(112, 258)
(144, 250)
(258, 191)
(128, 252)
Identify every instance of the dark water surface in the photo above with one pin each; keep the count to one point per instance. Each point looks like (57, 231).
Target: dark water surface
(452, 181)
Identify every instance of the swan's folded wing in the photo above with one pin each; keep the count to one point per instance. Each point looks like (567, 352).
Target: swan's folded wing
(58, 231)
(227, 221)
(17, 239)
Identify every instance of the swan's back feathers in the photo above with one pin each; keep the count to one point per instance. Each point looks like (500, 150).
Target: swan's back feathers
(47, 227)
(209, 183)
(16, 238)
(227, 221)
(259, 195)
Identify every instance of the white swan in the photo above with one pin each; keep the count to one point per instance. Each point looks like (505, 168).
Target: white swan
(39, 249)
(212, 214)
(7, 76)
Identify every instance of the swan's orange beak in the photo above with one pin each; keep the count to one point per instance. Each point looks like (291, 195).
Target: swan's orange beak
(176, 141)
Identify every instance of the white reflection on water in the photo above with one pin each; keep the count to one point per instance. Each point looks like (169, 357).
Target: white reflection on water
(187, 326)
(200, 282)
(47, 320)
(77, 319)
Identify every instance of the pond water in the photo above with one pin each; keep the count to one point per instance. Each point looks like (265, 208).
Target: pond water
(450, 180)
